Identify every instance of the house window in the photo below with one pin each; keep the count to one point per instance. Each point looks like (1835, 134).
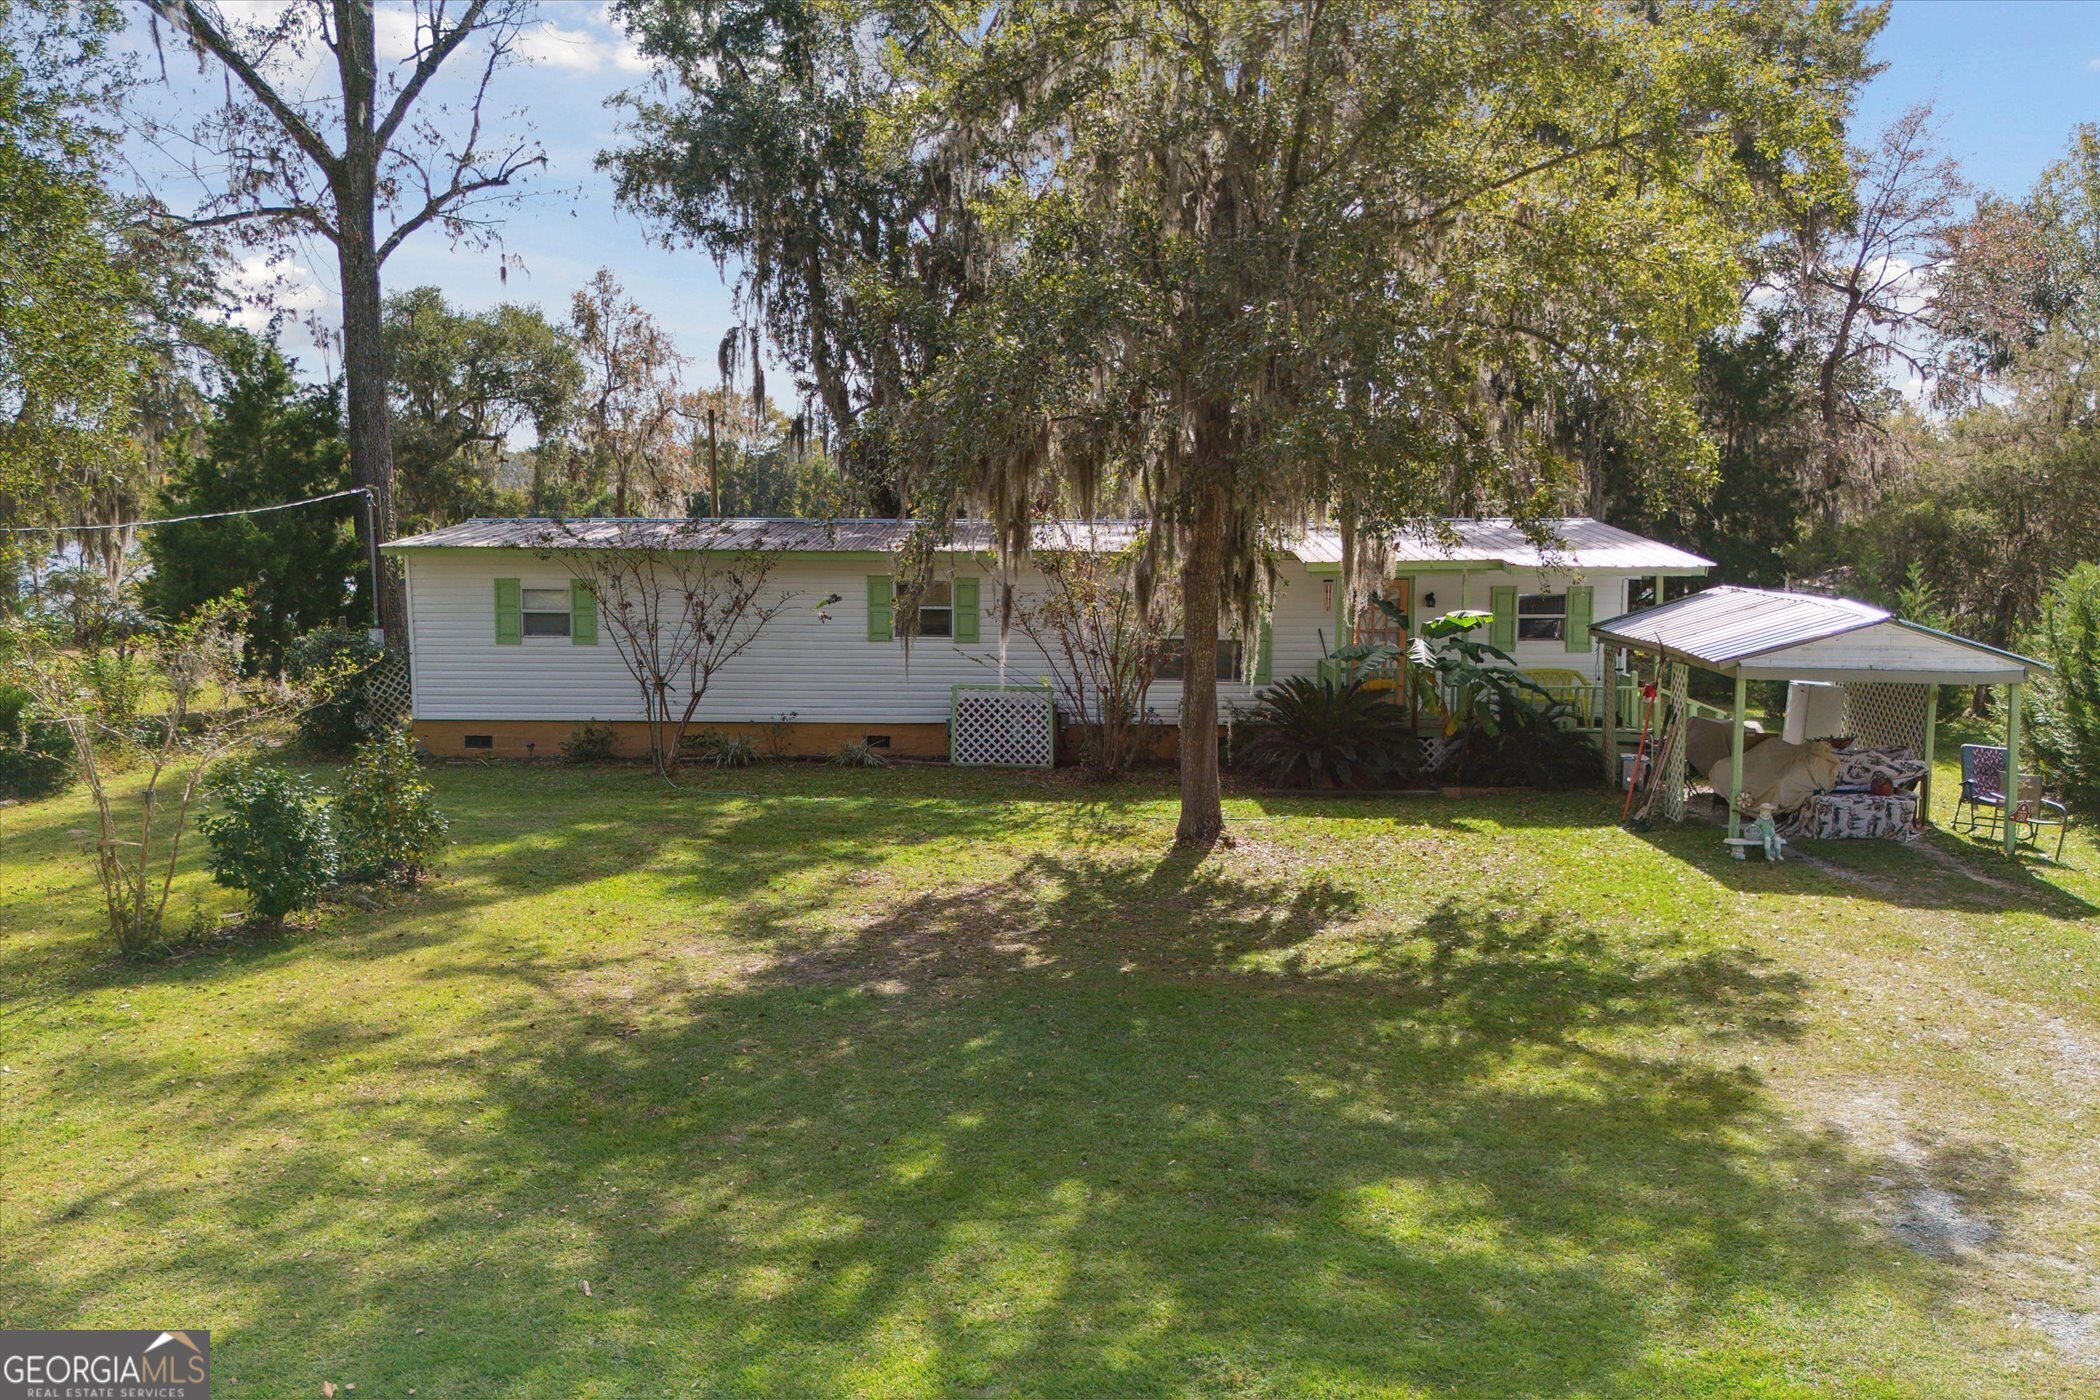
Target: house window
(1542, 617)
(936, 609)
(546, 612)
(1230, 659)
(1640, 592)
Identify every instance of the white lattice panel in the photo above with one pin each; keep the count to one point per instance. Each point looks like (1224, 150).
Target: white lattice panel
(1002, 726)
(1886, 716)
(386, 693)
(1673, 753)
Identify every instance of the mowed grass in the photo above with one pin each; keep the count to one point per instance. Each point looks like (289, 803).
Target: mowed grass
(915, 1081)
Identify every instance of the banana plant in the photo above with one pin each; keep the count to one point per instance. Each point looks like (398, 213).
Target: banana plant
(1418, 688)
(1476, 681)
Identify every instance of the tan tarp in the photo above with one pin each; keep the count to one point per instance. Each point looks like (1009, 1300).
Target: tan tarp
(1776, 772)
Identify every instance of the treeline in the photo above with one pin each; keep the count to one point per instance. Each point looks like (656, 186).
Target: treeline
(1907, 410)
(127, 392)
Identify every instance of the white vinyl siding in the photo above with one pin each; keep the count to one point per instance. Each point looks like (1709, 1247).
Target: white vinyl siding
(813, 658)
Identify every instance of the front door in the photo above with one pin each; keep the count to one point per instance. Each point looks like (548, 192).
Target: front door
(1374, 627)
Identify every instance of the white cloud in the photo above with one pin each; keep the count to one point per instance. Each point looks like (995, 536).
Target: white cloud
(394, 32)
(266, 285)
(2093, 65)
(581, 49)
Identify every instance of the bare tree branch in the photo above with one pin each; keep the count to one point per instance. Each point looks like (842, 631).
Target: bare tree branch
(191, 18)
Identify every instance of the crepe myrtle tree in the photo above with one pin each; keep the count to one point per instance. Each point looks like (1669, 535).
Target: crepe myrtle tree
(206, 711)
(1104, 650)
(1235, 265)
(680, 600)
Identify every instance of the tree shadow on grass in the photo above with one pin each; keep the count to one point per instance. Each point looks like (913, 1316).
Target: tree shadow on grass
(1948, 875)
(1099, 1126)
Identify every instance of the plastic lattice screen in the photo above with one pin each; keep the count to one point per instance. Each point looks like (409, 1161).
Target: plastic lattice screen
(1007, 726)
(1673, 756)
(1880, 715)
(386, 693)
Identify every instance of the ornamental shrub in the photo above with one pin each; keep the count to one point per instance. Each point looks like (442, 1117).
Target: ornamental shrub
(1323, 732)
(590, 742)
(36, 754)
(386, 822)
(270, 838)
(347, 663)
(718, 750)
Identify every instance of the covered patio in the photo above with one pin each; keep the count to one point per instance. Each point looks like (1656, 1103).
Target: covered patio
(1885, 666)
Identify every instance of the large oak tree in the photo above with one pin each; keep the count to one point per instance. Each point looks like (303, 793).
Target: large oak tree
(1240, 264)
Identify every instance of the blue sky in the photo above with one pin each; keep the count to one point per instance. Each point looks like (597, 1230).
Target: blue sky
(2009, 80)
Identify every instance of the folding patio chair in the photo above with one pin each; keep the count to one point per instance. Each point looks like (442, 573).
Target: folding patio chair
(1570, 686)
(1983, 797)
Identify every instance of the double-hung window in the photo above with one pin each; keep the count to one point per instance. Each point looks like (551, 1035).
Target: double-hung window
(1542, 617)
(937, 609)
(1174, 666)
(546, 612)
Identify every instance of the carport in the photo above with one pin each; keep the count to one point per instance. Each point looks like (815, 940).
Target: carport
(1887, 667)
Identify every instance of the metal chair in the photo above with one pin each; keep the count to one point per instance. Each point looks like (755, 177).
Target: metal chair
(1983, 798)
(1570, 686)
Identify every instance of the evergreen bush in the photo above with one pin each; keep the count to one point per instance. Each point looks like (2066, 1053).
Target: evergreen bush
(386, 823)
(270, 838)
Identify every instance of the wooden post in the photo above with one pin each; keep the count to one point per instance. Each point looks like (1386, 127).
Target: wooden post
(1735, 764)
(2012, 765)
(1610, 738)
(714, 468)
(1658, 590)
(1932, 716)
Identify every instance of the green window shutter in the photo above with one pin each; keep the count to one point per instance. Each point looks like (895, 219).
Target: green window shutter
(1261, 655)
(1502, 632)
(882, 608)
(1579, 618)
(965, 629)
(510, 612)
(583, 614)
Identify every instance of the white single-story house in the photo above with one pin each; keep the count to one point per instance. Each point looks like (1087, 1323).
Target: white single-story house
(507, 655)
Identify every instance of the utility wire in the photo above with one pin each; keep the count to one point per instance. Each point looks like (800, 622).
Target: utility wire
(181, 519)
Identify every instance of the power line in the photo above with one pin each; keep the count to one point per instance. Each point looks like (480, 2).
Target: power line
(371, 534)
(365, 491)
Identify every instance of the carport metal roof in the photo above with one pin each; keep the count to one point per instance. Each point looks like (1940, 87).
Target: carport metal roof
(1765, 635)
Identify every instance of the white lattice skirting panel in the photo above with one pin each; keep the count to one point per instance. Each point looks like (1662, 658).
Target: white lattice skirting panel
(1888, 716)
(1004, 726)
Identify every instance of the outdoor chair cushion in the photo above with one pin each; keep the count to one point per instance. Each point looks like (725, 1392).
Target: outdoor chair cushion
(1832, 816)
(1859, 768)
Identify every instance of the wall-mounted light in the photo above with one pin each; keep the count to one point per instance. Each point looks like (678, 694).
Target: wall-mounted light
(1429, 600)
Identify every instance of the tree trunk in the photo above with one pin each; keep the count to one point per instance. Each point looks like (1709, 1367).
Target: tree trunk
(352, 185)
(365, 413)
(1202, 576)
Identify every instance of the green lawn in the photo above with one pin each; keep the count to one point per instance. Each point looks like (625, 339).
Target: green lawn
(912, 1081)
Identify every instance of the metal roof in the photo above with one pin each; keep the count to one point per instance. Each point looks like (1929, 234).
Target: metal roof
(726, 536)
(1575, 543)
(1763, 634)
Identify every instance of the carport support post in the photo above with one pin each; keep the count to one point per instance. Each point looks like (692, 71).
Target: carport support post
(1932, 719)
(1735, 760)
(1610, 737)
(2012, 765)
